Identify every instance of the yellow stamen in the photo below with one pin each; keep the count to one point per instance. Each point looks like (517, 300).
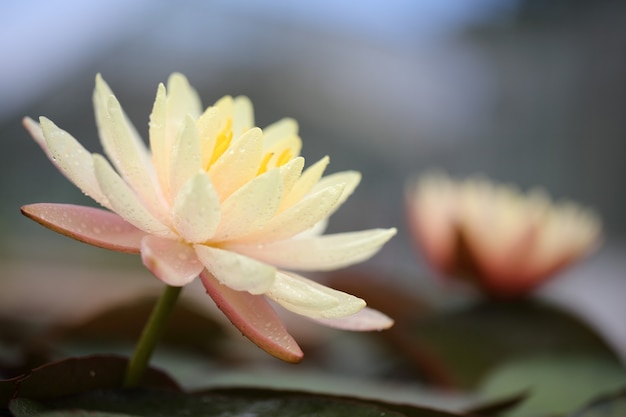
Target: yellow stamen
(284, 157)
(266, 160)
(223, 141)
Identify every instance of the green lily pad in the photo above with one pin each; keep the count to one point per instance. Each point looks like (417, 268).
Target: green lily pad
(233, 403)
(556, 385)
(468, 344)
(613, 405)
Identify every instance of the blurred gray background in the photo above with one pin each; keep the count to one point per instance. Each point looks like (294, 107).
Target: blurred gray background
(528, 92)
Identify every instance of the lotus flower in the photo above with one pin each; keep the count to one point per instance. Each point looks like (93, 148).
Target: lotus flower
(218, 198)
(505, 242)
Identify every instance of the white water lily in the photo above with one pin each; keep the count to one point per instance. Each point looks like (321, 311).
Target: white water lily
(505, 241)
(214, 197)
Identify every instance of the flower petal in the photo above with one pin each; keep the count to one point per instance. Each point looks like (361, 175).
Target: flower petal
(127, 152)
(196, 209)
(250, 207)
(35, 131)
(305, 183)
(290, 172)
(243, 115)
(173, 262)
(158, 143)
(73, 160)
(308, 298)
(319, 253)
(237, 271)
(124, 201)
(185, 159)
(87, 224)
(239, 164)
(182, 101)
(255, 318)
(365, 320)
(349, 179)
(284, 128)
(298, 218)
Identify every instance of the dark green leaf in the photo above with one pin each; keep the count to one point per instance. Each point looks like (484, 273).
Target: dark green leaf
(74, 375)
(234, 403)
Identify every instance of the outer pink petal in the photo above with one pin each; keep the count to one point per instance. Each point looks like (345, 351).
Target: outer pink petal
(365, 320)
(255, 318)
(87, 224)
(173, 262)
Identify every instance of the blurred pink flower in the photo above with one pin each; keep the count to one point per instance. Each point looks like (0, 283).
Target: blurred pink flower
(505, 242)
(218, 198)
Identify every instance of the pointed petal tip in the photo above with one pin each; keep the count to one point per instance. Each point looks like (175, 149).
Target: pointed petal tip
(255, 318)
(365, 320)
(90, 225)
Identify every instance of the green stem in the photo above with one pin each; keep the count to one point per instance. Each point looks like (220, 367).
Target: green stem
(150, 336)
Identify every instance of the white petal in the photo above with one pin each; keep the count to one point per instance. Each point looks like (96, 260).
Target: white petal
(243, 115)
(129, 155)
(300, 217)
(319, 253)
(365, 320)
(173, 262)
(239, 164)
(35, 131)
(101, 101)
(158, 142)
(250, 207)
(284, 128)
(290, 172)
(308, 298)
(196, 209)
(182, 101)
(124, 201)
(350, 180)
(73, 160)
(305, 183)
(237, 271)
(186, 159)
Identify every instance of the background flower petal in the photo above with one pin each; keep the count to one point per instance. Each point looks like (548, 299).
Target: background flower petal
(196, 209)
(173, 262)
(255, 318)
(239, 272)
(87, 224)
(321, 253)
(308, 298)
